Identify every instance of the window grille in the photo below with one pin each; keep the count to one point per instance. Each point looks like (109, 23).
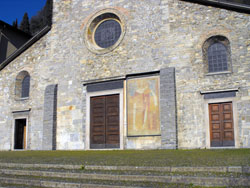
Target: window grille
(217, 57)
(107, 33)
(25, 86)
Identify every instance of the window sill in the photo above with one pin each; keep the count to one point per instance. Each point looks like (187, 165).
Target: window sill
(216, 73)
(22, 99)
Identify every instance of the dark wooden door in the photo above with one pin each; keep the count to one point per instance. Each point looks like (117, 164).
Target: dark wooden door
(20, 134)
(221, 124)
(104, 122)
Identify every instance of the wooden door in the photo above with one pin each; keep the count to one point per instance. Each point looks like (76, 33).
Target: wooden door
(24, 137)
(104, 122)
(112, 121)
(221, 124)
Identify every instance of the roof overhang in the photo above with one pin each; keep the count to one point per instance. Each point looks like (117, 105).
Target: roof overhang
(4, 25)
(239, 7)
(24, 47)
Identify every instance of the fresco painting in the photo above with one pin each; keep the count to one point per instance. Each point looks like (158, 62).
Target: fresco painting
(143, 106)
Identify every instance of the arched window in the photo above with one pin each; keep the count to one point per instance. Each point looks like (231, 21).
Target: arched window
(22, 85)
(216, 52)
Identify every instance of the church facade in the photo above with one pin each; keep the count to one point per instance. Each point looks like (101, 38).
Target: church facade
(153, 74)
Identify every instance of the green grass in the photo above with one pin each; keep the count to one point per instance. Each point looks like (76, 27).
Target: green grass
(4, 185)
(227, 157)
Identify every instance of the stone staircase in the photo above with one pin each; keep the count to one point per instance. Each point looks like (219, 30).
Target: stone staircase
(54, 175)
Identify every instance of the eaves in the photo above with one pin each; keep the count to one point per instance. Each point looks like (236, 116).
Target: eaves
(243, 8)
(24, 47)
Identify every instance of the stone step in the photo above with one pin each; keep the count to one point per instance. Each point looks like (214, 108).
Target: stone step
(145, 173)
(134, 172)
(200, 181)
(44, 183)
(222, 169)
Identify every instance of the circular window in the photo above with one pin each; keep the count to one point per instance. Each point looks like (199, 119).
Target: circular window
(107, 33)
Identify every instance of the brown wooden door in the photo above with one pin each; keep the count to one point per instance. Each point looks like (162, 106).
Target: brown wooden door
(24, 137)
(221, 124)
(104, 122)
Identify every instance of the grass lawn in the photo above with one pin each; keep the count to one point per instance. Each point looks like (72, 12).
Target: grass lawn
(218, 157)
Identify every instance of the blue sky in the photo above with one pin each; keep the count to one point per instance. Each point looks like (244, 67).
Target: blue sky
(12, 9)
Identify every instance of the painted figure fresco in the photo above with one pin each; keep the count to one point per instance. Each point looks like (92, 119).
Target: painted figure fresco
(143, 106)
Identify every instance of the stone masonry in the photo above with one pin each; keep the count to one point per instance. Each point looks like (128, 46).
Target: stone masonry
(49, 119)
(168, 109)
(159, 35)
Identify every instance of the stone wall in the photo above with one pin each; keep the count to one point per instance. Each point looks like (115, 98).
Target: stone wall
(31, 61)
(158, 34)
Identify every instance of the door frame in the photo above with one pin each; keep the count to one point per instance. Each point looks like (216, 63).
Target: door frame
(121, 116)
(13, 132)
(233, 100)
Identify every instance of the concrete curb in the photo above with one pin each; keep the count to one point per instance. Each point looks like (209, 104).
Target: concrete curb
(201, 181)
(42, 183)
(225, 169)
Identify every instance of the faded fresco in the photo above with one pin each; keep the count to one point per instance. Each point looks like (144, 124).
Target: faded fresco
(143, 106)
